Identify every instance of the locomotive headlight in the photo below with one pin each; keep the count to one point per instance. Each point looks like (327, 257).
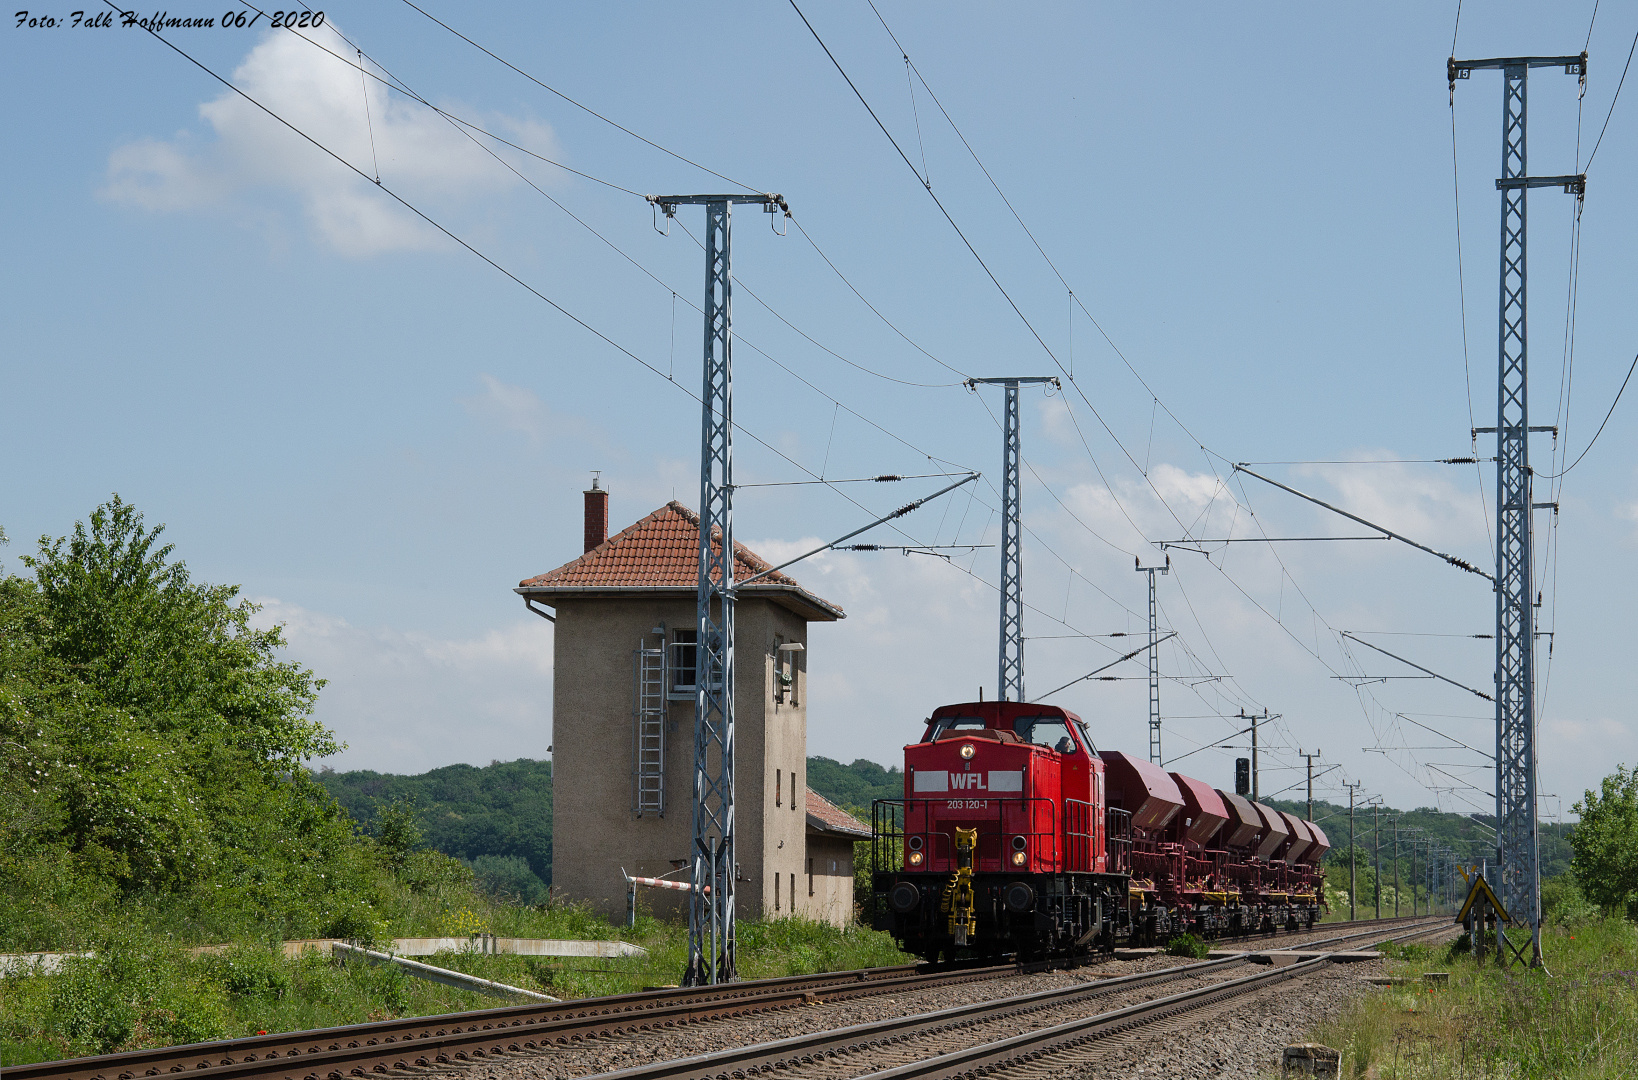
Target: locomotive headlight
(915, 858)
(967, 751)
(1019, 858)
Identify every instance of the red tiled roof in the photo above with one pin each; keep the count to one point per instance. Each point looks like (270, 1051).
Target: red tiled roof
(826, 816)
(661, 551)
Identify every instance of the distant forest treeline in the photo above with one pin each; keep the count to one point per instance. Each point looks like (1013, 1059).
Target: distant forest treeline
(498, 818)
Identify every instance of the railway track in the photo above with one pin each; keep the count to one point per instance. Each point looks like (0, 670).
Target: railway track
(907, 1039)
(366, 1049)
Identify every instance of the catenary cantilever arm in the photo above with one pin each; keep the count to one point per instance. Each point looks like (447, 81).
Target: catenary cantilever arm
(1461, 564)
(900, 512)
(1106, 667)
(1419, 667)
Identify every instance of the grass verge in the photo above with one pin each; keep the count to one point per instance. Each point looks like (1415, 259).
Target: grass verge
(1578, 1023)
(144, 988)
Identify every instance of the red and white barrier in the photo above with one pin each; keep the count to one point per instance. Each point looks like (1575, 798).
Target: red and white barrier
(662, 883)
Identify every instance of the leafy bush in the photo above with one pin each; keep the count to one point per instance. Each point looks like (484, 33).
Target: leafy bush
(1563, 903)
(508, 876)
(125, 996)
(1188, 945)
(1606, 843)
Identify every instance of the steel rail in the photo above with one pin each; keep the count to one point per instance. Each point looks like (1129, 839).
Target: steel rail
(389, 1044)
(1031, 1045)
(862, 1038)
(383, 1045)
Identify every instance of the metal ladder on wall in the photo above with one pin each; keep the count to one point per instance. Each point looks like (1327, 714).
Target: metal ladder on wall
(648, 743)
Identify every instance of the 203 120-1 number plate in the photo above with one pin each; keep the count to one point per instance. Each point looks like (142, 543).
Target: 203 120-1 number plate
(967, 804)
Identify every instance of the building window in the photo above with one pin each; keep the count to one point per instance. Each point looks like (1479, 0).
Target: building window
(786, 668)
(684, 650)
(793, 892)
(776, 892)
(777, 782)
(810, 877)
(684, 662)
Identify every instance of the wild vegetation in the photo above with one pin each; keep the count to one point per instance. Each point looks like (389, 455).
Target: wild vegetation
(497, 819)
(1572, 1018)
(155, 800)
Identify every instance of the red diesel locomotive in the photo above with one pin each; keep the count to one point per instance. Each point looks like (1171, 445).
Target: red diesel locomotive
(1016, 835)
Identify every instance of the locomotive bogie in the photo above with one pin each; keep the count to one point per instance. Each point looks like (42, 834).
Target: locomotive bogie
(1030, 915)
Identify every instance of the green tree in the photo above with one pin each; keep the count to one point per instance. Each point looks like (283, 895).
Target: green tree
(183, 657)
(1606, 842)
(152, 739)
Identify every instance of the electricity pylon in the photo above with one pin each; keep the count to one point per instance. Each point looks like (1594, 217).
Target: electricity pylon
(1010, 671)
(1154, 655)
(1518, 855)
(711, 899)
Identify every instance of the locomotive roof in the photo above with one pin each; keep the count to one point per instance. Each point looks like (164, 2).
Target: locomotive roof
(997, 713)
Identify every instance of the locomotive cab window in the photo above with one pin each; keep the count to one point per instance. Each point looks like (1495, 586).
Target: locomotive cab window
(955, 723)
(1048, 731)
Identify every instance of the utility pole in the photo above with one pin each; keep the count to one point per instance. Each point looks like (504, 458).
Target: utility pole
(1376, 851)
(1518, 852)
(1255, 718)
(1310, 758)
(714, 865)
(1353, 852)
(1010, 675)
(1396, 866)
(1416, 879)
(1154, 655)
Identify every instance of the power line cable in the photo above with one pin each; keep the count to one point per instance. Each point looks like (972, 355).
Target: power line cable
(1630, 368)
(962, 236)
(584, 108)
(912, 167)
(480, 255)
(1613, 100)
(394, 82)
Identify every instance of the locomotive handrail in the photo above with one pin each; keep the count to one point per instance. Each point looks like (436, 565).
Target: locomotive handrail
(1117, 839)
(891, 830)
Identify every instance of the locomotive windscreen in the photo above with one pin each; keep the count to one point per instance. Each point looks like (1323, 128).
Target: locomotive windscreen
(955, 723)
(1048, 731)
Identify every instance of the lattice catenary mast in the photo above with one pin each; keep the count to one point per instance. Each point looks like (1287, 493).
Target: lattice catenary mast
(711, 899)
(1517, 841)
(1154, 655)
(1010, 674)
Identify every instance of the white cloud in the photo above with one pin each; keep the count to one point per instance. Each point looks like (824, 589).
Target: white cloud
(1628, 512)
(1433, 508)
(408, 702)
(515, 408)
(419, 153)
(1600, 735)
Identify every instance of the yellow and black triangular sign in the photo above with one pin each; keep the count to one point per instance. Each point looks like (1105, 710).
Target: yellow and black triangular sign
(1481, 891)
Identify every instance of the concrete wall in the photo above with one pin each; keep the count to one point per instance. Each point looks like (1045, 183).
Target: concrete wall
(827, 891)
(594, 829)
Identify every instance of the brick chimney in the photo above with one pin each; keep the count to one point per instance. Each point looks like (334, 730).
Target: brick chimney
(597, 514)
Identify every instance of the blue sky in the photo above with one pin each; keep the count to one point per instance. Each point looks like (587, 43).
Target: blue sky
(377, 434)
